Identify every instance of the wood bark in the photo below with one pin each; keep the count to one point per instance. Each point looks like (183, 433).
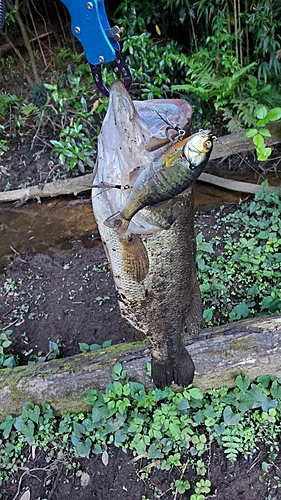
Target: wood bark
(241, 187)
(237, 143)
(252, 347)
(229, 144)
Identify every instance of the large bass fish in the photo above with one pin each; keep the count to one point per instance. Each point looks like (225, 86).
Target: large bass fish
(143, 205)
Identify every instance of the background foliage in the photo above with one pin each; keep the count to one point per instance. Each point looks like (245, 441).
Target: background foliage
(239, 265)
(220, 54)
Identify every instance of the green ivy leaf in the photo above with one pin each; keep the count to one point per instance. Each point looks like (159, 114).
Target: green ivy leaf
(95, 347)
(34, 414)
(107, 343)
(183, 404)
(253, 207)
(229, 417)
(240, 311)
(119, 437)
(82, 448)
(9, 362)
(260, 397)
(265, 132)
(264, 153)
(251, 132)
(88, 424)
(154, 451)
(219, 429)
(83, 346)
(275, 390)
(274, 114)
(261, 112)
(137, 391)
(271, 304)
(6, 344)
(265, 380)
(195, 393)
(208, 314)
(28, 429)
(117, 368)
(97, 449)
(246, 402)
(7, 425)
(96, 414)
(205, 246)
(198, 417)
(242, 383)
(258, 140)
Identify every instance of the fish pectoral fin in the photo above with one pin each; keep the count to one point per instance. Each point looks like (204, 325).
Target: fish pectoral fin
(135, 258)
(118, 223)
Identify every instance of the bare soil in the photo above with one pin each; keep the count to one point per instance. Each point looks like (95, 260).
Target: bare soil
(89, 479)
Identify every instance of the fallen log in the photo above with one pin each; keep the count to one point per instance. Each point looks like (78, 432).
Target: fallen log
(252, 347)
(238, 143)
(49, 190)
(241, 187)
(227, 145)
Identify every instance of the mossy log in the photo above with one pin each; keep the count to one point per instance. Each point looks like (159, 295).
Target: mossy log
(227, 145)
(252, 347)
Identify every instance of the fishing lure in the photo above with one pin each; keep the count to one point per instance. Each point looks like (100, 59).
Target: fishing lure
(174, 172)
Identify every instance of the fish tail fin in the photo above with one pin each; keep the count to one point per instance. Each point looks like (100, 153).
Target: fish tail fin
(179, 370)
(134, 258)
(118, 223)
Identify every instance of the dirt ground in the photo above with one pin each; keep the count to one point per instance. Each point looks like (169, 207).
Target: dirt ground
(89, 479)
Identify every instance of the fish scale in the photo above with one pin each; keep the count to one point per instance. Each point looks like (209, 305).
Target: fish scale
(153, 268)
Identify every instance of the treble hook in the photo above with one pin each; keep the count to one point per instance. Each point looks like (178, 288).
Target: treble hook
(181, 132)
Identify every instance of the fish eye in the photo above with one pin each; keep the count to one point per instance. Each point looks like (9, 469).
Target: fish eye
(208, 144)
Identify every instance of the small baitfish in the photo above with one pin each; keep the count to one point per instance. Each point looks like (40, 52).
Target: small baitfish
(174, 172)
(153, 262)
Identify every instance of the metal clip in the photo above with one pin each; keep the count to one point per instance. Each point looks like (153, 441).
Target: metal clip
(2, 13)
(89, 24)
(123, 71)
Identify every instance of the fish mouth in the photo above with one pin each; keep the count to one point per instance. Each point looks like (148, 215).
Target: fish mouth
(144, 121)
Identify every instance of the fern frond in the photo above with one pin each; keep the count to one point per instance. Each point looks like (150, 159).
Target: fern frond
(201, 92)
(180, 59)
